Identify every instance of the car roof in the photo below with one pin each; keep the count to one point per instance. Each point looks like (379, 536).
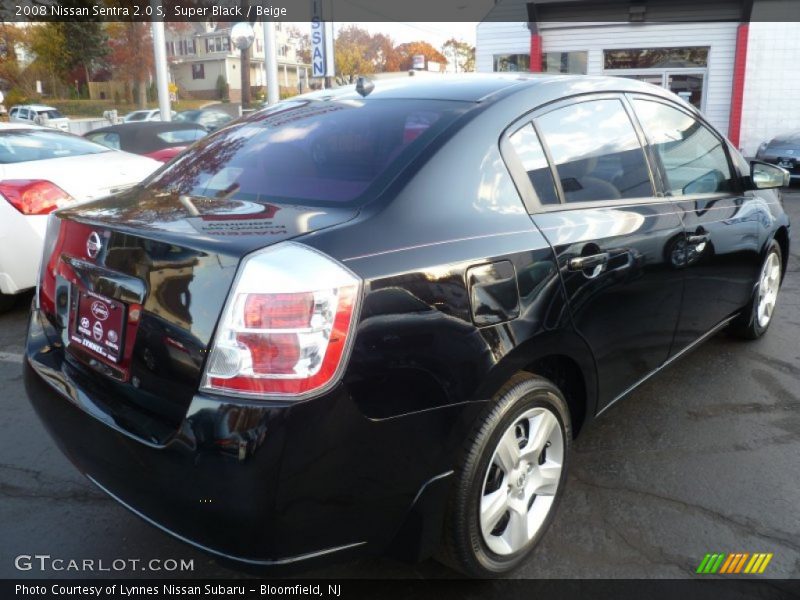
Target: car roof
(35, 107)
(152, 126)
(19, 126)
(480, 87)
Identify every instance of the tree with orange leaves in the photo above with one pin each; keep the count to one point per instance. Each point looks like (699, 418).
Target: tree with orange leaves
(131, 55)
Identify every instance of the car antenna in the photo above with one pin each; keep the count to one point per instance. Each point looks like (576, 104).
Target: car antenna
(364, 86)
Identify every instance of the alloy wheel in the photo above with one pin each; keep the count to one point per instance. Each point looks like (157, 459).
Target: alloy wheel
(768, 287)
(521, 482)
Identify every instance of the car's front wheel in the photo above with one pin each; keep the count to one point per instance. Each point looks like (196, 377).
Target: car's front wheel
(756, 318)
(509, 484)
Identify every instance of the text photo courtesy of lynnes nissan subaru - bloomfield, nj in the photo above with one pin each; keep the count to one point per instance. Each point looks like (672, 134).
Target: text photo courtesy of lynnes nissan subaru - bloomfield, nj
(302, 300)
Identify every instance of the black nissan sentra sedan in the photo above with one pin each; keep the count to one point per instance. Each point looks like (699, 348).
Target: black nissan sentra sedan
(373, 319)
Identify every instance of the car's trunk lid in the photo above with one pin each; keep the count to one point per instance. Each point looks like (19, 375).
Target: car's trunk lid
(135, 288)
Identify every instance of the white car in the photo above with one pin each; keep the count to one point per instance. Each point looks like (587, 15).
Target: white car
(38, 114)
(138, 116)
(41, 170)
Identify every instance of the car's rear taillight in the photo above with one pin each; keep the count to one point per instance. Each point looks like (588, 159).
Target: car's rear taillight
(286, 326)
(45, 280)
(33, 196)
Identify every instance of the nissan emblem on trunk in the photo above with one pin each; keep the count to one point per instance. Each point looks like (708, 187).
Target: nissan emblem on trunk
(93, 245)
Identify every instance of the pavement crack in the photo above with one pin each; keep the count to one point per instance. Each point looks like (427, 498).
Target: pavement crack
(742, 526)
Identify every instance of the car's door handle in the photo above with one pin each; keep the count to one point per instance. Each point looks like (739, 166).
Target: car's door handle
(698, 238)
(591, 265)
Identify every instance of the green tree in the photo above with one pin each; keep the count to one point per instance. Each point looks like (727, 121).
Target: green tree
(131, 55)
(86, 45)
(46, 41)
(357, 52)
(462, 54)
(403, 55)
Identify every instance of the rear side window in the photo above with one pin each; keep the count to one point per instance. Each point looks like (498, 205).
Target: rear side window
(309, 151)
(596, 152)
(529, 150)
(693, 158)
(50, 114)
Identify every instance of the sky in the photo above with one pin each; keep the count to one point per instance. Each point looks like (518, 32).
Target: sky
(435, 34)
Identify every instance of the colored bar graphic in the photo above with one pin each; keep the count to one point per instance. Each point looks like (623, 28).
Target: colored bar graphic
(737, 562)
(766, 562)
(727, 563)
(701, 568)
(718, 563)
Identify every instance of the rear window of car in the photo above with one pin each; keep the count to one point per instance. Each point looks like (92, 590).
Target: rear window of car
(137, 116)
(310, 151)
(182, 136)
(50, 114)
(25, 146)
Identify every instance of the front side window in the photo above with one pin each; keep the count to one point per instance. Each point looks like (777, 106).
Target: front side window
(693, 158)
(108, 139)
(198, 71)
(529, 150)
(596, 152)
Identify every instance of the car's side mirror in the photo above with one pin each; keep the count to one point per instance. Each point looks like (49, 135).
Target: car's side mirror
(764, 176)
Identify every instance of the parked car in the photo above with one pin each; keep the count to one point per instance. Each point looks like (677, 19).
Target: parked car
(402, 301)
(38, 114)
(784, 151)
(41, 170)
(209, 118)
(137, 116)
(160, 141)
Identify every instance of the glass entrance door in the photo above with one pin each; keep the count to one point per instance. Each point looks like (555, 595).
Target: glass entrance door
(688, 86)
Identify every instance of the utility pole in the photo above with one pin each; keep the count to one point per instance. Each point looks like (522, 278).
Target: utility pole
(270, 62)
(162, 72)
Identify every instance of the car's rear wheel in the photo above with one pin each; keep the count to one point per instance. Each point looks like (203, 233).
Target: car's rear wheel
(509, 484)
(756, 318)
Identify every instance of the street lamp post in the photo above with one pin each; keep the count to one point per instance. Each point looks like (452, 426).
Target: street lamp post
(242, 36)
(162, 76)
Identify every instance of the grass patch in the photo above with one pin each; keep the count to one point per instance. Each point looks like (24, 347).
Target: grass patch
(96, 108)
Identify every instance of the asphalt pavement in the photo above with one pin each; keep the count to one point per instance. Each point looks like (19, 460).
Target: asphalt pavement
(704, 457)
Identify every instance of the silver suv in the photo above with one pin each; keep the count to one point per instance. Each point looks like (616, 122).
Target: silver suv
(38, 114)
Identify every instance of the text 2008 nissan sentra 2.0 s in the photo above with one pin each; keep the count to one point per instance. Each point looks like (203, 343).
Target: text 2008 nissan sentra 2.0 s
(375, 318)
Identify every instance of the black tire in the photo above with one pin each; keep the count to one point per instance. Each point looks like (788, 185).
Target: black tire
(6, 302)
(463, 545)
(747, 325)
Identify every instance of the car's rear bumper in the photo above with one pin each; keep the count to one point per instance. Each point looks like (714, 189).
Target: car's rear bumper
(20, 249)
(262, 484)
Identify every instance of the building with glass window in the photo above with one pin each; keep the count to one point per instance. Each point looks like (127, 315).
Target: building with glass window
(200, 53)
(741, 71)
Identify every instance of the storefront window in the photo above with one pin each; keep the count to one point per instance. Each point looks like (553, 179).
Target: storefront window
(565, 62)
(512, 62)
(656, 58)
